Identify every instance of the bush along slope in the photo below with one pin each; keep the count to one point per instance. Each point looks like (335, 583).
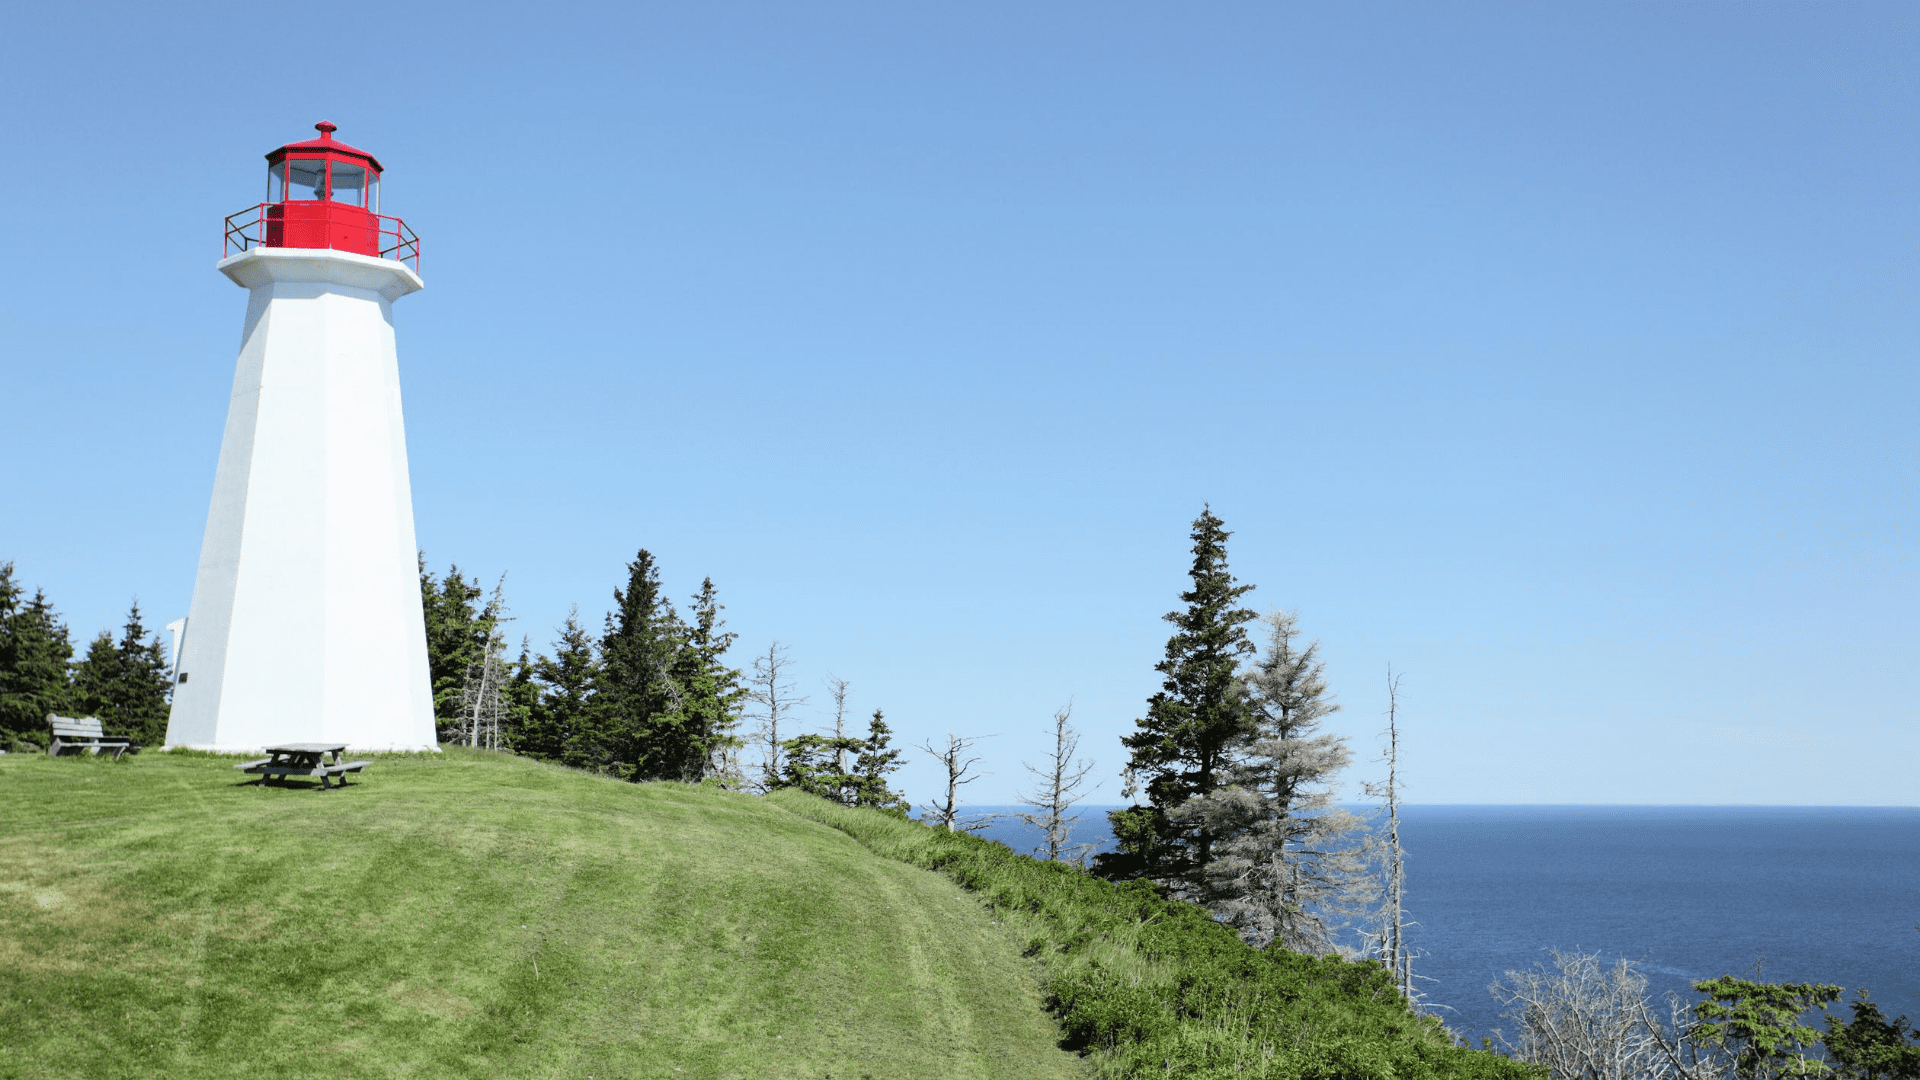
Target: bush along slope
(1147, 986)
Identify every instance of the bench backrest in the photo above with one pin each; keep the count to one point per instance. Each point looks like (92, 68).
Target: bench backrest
(76, 727)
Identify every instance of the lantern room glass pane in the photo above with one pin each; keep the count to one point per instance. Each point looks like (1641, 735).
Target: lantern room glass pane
(349, 183)
(307, 178)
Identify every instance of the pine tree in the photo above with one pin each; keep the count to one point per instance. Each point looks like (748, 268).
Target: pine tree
(812, 764)
(458, 630)
(1181, 745)
(715, 694)
(521, 696)
(564, 725)
(35, 652)
(1287, 868)
(125, 683)
(647, 734)
(871, 767)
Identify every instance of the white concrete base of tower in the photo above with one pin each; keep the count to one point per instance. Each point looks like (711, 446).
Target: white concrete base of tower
(306, 618)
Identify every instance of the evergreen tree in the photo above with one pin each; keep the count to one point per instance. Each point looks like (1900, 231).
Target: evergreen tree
(872, 765)
(1182, 742)
(1286, 868)
(458, 631)
(812, 763)
(648, 734)
(125, 683)
(521, 695)
(34, 656)
(564, 722)
(714, 693)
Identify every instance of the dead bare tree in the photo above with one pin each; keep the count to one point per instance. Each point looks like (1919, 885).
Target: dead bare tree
(959, 773)
(1057, 788)
(771, 689)
(1394, 953)
(1289, 866)
(483, 698)
(1586, 1022)
(838, 688)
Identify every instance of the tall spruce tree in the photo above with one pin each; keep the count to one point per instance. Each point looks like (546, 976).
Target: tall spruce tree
(647, 733)
(459, 628)
(521, 694)
(714, 693)
(35, 653)
(872, 765)
(1181, 744)
(564, 724)
(125, 683)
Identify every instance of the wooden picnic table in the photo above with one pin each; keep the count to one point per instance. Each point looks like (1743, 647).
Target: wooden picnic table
(304, 759)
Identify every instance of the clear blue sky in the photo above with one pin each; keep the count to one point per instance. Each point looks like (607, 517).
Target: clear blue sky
(1562, 356)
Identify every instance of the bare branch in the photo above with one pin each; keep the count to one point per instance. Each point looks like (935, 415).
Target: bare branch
(1057, 791)
(959, 774)
(771, 688)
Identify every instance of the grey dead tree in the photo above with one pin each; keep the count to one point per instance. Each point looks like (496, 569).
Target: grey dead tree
(1056, 790)
(1584, 1021)
(770, 688)
(1291, 867)
(959, 773)
(837, 687)
(483, 697)
(1394, 953)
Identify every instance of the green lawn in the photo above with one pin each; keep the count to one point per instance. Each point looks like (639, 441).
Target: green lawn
(480, 915)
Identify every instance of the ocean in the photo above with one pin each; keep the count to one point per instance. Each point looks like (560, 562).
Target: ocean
(1797, 894)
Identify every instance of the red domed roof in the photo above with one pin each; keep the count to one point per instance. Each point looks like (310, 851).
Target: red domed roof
(326, 144)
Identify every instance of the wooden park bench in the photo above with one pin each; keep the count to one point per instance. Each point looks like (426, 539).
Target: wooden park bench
(304, 759)
(84, 734)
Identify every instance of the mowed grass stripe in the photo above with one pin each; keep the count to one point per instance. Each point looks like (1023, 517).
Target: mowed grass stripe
(479, 915)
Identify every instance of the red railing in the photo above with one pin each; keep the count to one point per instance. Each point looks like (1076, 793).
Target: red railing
(405, 246)
(247, 229)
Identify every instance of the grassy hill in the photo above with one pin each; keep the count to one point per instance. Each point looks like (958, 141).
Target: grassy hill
(481, 915)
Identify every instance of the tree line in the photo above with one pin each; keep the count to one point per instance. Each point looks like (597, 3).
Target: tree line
(650, 697)
(125, 681)
(1231, 777)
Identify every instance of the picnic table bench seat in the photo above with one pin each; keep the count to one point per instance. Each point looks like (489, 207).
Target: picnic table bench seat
(84, 734)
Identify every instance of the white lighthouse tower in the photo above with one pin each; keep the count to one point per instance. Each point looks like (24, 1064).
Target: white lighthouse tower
(306, 622)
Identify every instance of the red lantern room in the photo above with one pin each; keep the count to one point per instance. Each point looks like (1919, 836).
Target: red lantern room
(323, 194)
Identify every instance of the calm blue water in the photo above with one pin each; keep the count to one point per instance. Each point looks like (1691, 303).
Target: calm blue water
(1813, 894)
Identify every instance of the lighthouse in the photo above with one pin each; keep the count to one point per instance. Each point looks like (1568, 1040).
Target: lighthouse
(305, 624)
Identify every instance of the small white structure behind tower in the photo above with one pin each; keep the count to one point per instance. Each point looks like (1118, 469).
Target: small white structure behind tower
(306, 618)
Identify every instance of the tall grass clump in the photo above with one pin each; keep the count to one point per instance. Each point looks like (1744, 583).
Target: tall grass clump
(1147, 986)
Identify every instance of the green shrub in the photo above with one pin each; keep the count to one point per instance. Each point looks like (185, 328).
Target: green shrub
(1147, 986)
